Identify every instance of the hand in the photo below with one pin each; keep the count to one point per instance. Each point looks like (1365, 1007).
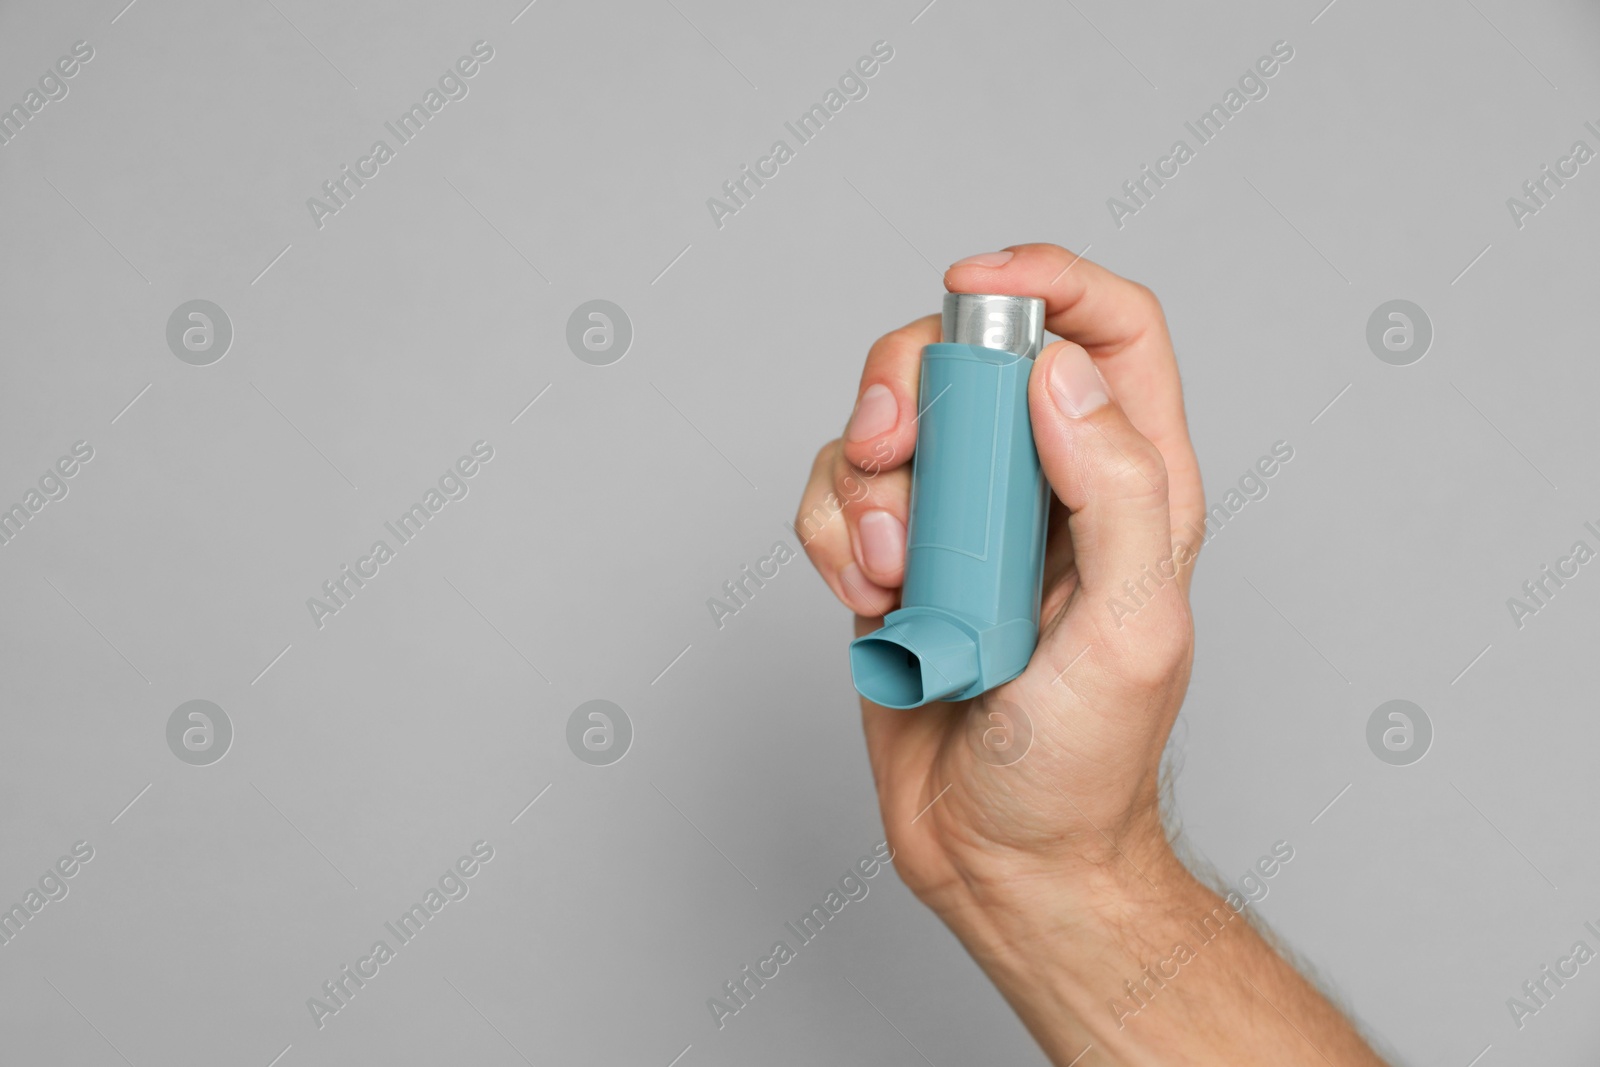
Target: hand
(1054, 869)
(1104, 684)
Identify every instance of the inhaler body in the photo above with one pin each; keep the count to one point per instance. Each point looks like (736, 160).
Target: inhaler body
(969, 614)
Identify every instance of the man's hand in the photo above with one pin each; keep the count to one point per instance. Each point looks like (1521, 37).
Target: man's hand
(1102, 689)
(1054, 870)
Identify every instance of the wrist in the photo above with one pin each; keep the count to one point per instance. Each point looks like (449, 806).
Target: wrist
(1063, 946)
(985, 889)
(1104, 909)
(1156, 971)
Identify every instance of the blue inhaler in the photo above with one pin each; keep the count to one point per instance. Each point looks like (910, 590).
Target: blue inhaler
(969, 611)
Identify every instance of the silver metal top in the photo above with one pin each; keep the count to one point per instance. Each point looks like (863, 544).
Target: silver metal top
(1012, 323)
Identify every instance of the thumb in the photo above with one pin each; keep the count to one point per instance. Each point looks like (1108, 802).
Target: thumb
(1112, 480)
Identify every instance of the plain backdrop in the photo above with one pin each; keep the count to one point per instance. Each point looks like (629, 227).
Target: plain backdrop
(373, 347)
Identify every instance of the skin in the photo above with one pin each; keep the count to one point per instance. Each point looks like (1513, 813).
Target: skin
(1055, 871)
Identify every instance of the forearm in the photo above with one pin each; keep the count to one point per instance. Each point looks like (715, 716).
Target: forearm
(1135, 973)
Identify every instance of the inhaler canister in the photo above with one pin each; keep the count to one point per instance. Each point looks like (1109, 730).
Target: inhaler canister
(969, 613)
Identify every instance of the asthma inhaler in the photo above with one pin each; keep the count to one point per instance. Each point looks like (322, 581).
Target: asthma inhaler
(969, 614)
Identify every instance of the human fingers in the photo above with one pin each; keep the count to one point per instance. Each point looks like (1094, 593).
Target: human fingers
(882, 433)
(824, 532)
(1115, 485)
(877, 507)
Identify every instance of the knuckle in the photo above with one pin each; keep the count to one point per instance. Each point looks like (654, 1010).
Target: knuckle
(1147, 300)
(881, 356)
(825, 455)
(814, 519)
(1177, 631)
(851, 485)
(1138, 472)
(889, 356)
(819, 504)
(1171, 631)
(1159, 647)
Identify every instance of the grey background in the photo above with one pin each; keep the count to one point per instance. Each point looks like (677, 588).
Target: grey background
(370, 754)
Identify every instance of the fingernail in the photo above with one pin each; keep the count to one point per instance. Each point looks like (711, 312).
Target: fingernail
(876, 412)
(1076, 383)
(883, 542)
(986, 259)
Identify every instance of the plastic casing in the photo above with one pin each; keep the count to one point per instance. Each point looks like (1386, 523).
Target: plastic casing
(969, 615)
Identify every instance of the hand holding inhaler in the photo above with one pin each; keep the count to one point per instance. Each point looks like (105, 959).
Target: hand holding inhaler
(983, 575)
